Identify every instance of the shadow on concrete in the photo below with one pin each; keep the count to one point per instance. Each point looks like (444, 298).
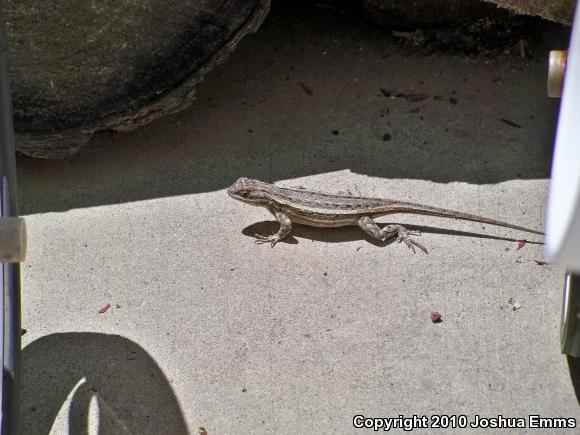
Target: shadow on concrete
(351, 234)
(133, 395)
(303, 97)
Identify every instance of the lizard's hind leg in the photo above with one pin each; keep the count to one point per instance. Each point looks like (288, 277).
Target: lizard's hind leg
(370, 227)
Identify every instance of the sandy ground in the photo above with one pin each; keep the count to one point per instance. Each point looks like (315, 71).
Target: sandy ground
(207, 329)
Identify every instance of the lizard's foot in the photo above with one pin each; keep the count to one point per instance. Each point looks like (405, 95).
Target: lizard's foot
(273, 239)
(403, 236)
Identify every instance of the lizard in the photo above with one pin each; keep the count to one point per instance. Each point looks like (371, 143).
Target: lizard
(317, 209)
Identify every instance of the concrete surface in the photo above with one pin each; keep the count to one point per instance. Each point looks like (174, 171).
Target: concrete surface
(207, 329)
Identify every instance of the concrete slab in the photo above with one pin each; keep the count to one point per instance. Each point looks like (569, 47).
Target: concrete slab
(206, 329)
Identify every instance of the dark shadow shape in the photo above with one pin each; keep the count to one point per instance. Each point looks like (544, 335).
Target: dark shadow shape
(574, 369)
(251, 119)
(353, 233)
(132, 391)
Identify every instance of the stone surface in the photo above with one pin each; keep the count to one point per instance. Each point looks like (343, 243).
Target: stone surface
(409, 14)
(561, 11)
(80, 67)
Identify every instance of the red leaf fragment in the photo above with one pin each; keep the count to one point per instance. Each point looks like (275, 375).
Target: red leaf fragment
(521, 244)
(415, 98)
(105, 309)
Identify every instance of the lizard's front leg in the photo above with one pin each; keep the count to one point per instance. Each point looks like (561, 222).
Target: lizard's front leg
(370, 227)
(283, 232)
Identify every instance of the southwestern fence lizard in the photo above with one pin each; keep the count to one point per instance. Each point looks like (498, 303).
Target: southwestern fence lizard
(318, 209)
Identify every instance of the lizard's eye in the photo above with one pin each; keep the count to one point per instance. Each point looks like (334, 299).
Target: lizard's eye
(245, 193)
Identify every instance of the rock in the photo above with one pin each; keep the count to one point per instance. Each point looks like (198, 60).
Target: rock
(402, 14)
(561, 11)
(80, 67)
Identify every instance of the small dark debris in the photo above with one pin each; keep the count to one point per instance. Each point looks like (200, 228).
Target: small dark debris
(436, 317)
(415, 110)
(232, 269)
(23, 331)
(33, 408)
(250, 131)
(391, 94)
(453, 100)
(335, 132)
(202, 430)
(244, 390)
(415, 98)
(386, 137)
(510, 123)
(438, 97)
(306, 89)
(542, 263)
(118, 306)
(453, 92)
(325, 273)
(496, 79)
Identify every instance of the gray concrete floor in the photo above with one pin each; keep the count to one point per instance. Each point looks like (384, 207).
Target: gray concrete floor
(207, 329)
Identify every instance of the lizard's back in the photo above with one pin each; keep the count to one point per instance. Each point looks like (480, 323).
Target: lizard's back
(324, 209)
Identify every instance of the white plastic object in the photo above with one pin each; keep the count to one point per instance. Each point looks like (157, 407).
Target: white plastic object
(12, 240)
(556, 72)
(563, 220)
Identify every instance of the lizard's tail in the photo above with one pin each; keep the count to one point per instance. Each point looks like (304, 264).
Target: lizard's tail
(409, 207)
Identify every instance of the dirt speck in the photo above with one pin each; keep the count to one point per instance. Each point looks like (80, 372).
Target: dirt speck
(436, 317)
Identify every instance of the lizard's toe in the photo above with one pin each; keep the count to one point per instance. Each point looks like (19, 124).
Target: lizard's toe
(403, 236)
(409, 244)
(260, 240)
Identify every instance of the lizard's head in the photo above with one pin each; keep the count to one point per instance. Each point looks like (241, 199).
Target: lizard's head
(248, 191)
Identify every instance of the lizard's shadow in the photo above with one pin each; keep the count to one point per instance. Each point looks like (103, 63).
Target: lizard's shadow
(353, 233)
